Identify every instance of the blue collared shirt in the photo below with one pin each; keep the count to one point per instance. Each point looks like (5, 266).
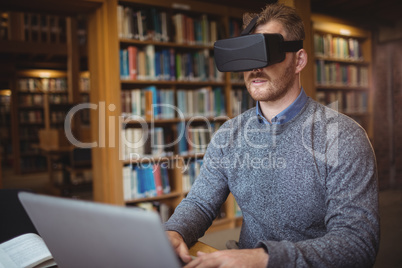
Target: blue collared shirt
(286, 115)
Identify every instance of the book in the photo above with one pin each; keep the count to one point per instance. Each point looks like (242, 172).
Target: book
(25, 251)
(141, 65)
(124, 68)
(120, 17)
(161, 208)
(127, 187)
(153, 63)
(158, 179)
(145, 180)
(337, 47)
(149, 114)
(132, 62)
(150, 62)
(191, 170)
(165, 180)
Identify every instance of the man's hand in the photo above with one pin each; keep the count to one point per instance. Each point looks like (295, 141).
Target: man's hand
(250, 258)
(179, 246)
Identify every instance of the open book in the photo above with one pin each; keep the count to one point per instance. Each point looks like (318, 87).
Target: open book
(25, 251)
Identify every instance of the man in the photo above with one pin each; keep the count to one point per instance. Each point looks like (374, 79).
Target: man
(303, 175)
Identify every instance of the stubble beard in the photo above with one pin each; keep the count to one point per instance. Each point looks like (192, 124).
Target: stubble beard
(276, 88)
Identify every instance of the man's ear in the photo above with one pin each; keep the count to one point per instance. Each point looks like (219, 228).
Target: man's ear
(301, 60)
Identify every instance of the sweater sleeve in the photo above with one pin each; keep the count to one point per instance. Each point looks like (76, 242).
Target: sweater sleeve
(352, 218)
(195, 214)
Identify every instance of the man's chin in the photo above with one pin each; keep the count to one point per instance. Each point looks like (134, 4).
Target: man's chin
(258, 93)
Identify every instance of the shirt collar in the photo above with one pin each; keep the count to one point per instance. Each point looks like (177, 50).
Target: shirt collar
(287, 114)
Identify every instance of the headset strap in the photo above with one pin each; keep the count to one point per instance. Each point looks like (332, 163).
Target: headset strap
(250, 26)
(292, 46)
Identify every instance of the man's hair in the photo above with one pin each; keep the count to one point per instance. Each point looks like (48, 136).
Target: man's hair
(285, 15)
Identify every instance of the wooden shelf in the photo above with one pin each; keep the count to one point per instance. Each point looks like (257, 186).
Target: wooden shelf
(172, 83)
(340, 60)
(38, 124)
(163, 44)
(32, 48)
(196, 118)
(33, 171)
(29, 154)
(31, 107)
(31, 92)
(36, 139)
(238, 84)
(155, 198)
(155, 159)
(358, 66)
(41, 73)
(339, 87)
(337, 27)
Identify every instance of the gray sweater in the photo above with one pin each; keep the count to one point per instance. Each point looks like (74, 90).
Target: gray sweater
(307, 189)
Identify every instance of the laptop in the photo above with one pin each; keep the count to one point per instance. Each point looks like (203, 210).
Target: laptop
(88, 234)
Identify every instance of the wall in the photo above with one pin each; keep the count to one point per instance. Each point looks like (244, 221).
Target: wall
(387, 70)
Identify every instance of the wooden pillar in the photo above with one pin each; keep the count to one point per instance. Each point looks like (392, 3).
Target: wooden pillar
(16, 26)
(73, 69)
(73, 60)
(103, 49)
(15, 132)
(46, 110)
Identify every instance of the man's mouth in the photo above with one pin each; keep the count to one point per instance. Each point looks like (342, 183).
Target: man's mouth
(258, 81)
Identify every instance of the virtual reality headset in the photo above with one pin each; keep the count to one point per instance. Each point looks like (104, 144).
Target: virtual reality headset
(252, 51)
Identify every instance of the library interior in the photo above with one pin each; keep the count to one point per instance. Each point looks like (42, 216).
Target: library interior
(116, 101)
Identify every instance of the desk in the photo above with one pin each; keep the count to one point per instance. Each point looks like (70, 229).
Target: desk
(200, 246)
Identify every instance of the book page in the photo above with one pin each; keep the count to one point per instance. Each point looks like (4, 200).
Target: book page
(26, 250)
(5, 261)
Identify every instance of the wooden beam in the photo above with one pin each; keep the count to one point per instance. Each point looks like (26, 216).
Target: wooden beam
(368, 13)
(14, 123)
(21, 47)
(105, 94)
(16, 26)
(61, 7)
(73, 61)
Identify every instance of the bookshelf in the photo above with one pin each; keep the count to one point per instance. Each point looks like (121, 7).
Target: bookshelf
(105, 62)
(6, 151)
(168, 62)
(343, 66)
(34, 32)
(41, 103)
(107, 84)
(47, 52)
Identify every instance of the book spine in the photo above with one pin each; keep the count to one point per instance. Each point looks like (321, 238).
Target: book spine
(132, 62)
(158, 180)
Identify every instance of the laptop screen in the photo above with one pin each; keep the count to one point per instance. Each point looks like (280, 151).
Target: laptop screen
(88, 234)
